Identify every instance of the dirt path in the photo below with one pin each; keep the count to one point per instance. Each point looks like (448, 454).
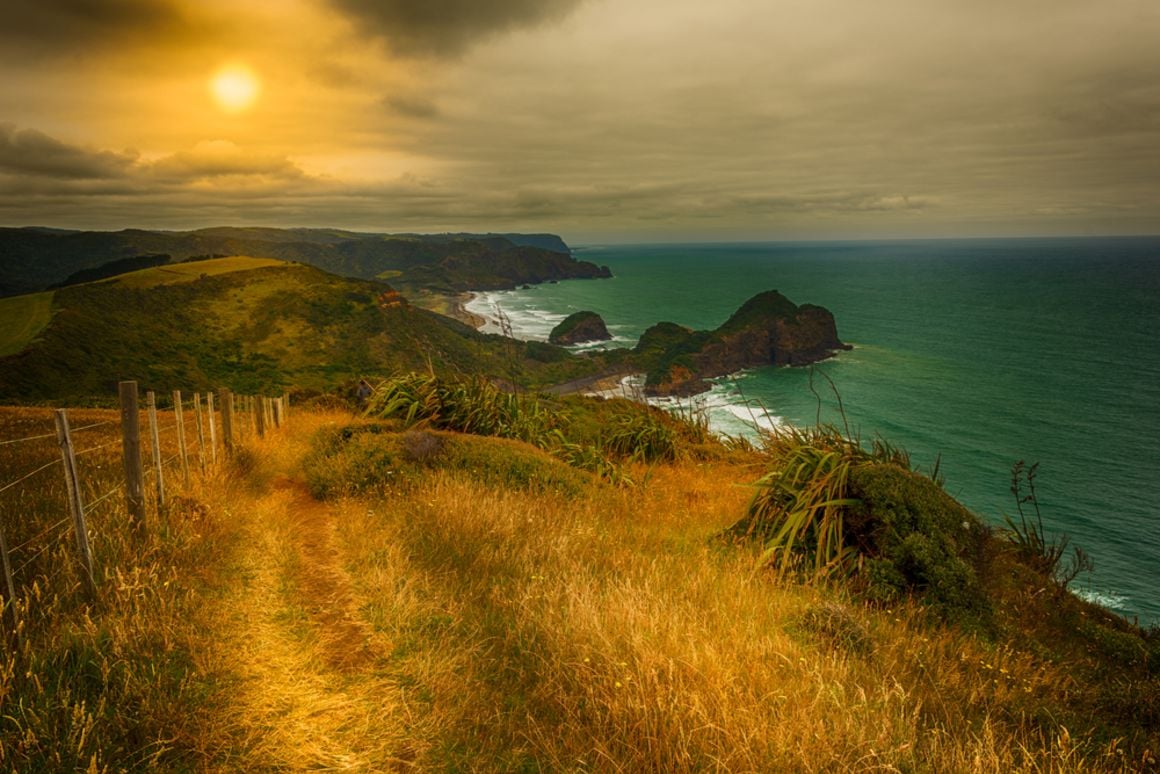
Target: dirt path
(310, 691)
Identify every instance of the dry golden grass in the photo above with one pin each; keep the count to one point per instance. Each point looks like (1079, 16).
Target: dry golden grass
(452, 625)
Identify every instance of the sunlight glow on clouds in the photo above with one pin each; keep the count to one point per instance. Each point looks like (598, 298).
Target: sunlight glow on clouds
(598, 119)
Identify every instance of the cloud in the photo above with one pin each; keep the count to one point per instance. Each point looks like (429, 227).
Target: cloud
(28, 152)
(220, 158)
(411, 106)
(444, 28)
(840, 202)
(62, 27)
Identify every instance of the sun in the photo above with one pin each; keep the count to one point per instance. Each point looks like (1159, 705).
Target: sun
(234, 88)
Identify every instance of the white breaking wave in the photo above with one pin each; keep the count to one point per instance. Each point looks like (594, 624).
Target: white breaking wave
(526, 324)
(530, 324)
(1104, 598)
(726, 412)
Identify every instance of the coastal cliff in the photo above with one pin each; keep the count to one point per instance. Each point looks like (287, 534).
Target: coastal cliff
(768, 329)
(34, 259)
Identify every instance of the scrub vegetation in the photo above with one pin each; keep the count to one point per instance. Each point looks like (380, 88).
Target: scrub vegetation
(401, 590)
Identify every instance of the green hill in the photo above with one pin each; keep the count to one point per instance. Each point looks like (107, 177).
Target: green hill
(246, 323)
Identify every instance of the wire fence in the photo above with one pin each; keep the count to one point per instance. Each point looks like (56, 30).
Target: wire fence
(51, 483)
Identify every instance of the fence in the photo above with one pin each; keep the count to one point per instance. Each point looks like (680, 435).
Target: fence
(79, 449)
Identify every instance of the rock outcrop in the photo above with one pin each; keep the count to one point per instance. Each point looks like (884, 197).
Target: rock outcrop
(768, 329)
(580, 328)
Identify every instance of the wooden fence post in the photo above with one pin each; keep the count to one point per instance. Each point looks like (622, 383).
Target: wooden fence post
(212, 428)
(76, 502)
(228, 421)
(200, 431)
(277, 412)
(260, 416)
(131, 455)
(155, 437)
(285, 404)
(9, 586)
(180, 418)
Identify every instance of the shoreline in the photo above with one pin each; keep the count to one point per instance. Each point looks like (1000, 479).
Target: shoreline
(451, 305)
(458, 306)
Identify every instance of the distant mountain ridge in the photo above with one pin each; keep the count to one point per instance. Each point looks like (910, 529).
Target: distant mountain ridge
(35, 258)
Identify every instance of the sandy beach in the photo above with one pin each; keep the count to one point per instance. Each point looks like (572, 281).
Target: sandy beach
(453, 306)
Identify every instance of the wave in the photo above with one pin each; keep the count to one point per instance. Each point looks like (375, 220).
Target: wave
(527, 324)
(725, 410)
(530, 323)
(1106, 598)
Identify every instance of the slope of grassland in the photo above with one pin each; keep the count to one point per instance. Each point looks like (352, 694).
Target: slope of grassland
(21, 319)
(251, 324)
(177, 273)
(467, 603)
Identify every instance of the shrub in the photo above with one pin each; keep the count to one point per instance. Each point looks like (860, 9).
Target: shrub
(919, 538)
(364, 458)
(832, 506)
(587, 435)
(642, 436)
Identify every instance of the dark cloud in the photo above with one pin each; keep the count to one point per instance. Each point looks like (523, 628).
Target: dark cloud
(28, 152)
(442, 28)
(411, 106)
(64, 27)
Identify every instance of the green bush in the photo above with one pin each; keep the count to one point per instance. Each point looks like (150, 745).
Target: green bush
(593, 435)
(363, 458)
(830, 505)
(642, 436)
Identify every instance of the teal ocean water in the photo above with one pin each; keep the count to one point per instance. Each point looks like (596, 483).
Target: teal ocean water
(982, 351)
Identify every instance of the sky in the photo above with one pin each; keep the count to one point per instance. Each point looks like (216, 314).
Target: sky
(600, 120)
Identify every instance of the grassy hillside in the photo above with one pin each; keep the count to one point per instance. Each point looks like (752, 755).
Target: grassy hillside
(248, 324)
(465, 602)
(21, 319)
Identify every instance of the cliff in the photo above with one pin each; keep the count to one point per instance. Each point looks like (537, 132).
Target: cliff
(768, 329)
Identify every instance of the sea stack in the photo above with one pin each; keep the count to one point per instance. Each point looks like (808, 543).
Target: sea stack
(580, 328)
(768, 329)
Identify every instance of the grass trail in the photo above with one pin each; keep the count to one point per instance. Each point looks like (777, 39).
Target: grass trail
(307, 690)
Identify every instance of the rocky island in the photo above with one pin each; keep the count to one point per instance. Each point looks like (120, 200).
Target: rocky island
(768, 329)
(579, 328)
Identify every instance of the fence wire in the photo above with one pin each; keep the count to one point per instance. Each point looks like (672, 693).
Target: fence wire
(93, 504)
(40, 535)
(98, 448)
(29, 475)
(29, 438)
(20, 570)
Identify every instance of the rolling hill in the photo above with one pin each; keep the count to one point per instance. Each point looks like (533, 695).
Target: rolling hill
(247, 323)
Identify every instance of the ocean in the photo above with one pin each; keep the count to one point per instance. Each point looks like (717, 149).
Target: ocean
(979, 352)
